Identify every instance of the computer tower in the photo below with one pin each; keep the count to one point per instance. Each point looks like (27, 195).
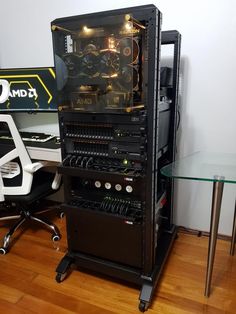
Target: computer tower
(116, 133)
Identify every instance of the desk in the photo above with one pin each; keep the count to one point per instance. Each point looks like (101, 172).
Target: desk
(49, 150)
(44, 153)
(218, 168)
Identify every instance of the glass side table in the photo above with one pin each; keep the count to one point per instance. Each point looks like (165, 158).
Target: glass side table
(218, 168)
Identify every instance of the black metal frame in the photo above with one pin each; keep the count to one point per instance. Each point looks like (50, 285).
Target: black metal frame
(155, 244)
(173, 37)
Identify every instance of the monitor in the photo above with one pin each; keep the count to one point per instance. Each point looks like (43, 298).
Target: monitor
(31, 89)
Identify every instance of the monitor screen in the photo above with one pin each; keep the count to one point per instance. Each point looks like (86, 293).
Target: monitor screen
(31, 89)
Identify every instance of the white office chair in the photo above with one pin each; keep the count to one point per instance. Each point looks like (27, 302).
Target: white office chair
(23, 185)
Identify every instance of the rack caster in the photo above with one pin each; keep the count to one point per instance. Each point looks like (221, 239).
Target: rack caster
(61, 214)
(61, 277)
(63, 268)
(143, 306)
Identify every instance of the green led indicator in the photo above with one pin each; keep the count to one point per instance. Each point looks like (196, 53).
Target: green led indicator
(125, 161)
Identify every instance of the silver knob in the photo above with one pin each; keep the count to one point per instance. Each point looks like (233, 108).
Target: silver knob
(118, 187)
(98, 184)
(129, 188)
(108, 185)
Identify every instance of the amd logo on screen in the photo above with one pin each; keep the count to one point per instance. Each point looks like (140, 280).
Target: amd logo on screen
(30, 93)
(31, 89)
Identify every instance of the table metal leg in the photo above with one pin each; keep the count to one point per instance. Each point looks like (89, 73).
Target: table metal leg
(218, 187)
(233, 233)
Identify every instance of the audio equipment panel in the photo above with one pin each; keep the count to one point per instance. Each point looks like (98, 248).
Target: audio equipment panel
(117, 130)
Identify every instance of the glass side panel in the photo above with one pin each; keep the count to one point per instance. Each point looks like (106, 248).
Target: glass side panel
(204, 166)
(98, 65)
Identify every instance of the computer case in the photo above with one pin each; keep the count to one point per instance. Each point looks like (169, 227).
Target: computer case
(116, 133)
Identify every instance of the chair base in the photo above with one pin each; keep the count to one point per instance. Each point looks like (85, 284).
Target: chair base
(23, 217)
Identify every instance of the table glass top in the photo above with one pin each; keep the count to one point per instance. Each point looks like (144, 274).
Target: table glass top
(204, 166)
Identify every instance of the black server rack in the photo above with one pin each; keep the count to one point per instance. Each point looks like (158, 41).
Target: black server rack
(116, 130)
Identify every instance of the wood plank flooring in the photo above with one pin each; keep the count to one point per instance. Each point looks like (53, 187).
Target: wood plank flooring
(27, 280)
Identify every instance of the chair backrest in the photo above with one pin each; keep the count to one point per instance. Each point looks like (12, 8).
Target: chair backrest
(14, 163)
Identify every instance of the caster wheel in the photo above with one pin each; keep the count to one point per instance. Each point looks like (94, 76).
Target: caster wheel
(143, 306)
(61, 215)
(56, 238)
(3, 251)
(60, 277)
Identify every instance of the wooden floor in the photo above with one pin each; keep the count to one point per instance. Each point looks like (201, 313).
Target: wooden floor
(27, 282)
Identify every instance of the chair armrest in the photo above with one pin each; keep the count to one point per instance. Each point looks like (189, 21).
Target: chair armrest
(31, 168)
(56, 181)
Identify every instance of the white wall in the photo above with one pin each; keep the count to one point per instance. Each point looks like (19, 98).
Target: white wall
(208, 68)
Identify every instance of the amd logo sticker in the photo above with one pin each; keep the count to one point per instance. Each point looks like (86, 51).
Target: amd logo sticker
(30, 93)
